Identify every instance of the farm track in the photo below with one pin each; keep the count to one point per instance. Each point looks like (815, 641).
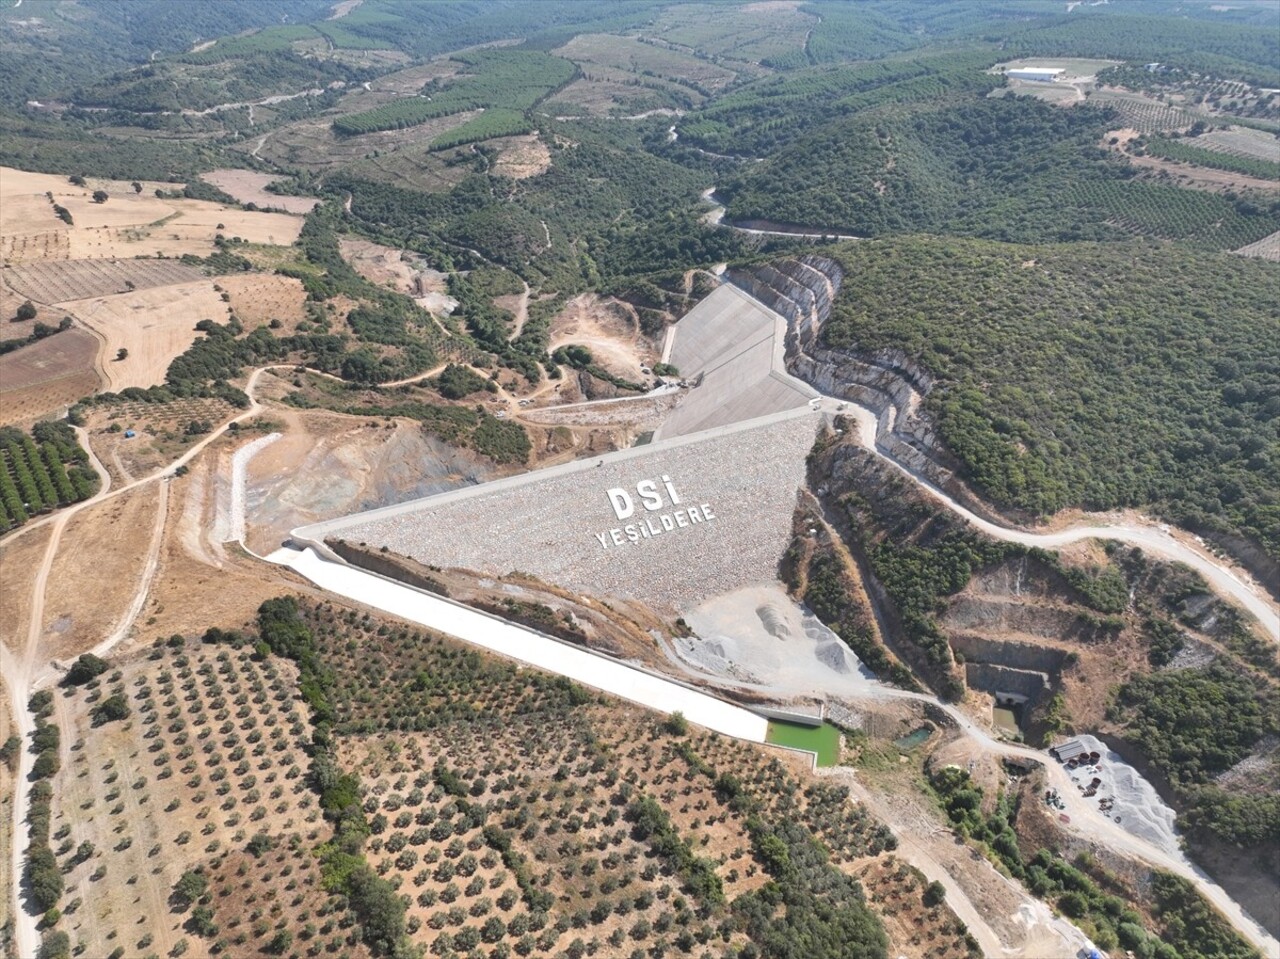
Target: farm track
(522, 308)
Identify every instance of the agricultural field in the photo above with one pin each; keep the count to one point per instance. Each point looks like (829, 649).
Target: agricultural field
(28, 214)
(1255, 171)
(211, 756)
(131, 222)
(621, 831)
(489, 125)
(47, 376)
(560, 856)
(1144, 114)
(41, 471)
(192, 228)
(769, 32)
(613, 93)
(150, 326)
(1242, 142)
(56, 281)
(1268, 248)
(265, 298)
(496, 81)
(249, 187)
(630, 55)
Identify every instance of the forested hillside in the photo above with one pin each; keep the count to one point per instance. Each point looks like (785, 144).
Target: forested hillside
(1007, 169)
(51, 46)
(1088, 375)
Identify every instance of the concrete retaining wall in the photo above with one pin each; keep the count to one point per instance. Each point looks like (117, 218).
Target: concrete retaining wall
(995, 652)
(988, 678)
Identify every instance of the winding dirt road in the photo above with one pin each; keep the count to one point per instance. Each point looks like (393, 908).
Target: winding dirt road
(1153, 537)
(27, 673)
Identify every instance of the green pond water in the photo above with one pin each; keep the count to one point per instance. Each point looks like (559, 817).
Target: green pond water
(1006, 719)
(914, 738)
(823, 740)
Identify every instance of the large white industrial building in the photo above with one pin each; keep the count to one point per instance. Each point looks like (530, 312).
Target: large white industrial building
(1038, 74)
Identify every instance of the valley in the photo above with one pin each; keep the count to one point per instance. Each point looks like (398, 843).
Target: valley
(785, 479)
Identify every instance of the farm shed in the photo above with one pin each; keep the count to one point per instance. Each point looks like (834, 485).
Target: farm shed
(1069, 750)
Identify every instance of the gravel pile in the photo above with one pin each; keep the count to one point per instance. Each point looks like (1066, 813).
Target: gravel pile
(552, 527)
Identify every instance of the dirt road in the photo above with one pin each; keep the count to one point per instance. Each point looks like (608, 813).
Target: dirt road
(26, 673)
(522, 306)
(1151, 536)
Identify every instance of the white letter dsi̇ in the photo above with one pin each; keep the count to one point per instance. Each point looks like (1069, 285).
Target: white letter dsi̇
(621, 502)
(648, 491)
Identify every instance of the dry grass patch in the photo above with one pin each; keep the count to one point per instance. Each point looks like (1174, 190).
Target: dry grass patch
(249, 187)
(26, 247)
(20, 557)
(521, 157)
(28, 214)
(153, 326)
(96, 572)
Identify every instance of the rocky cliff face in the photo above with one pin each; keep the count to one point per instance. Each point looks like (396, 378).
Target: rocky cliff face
(888, 382)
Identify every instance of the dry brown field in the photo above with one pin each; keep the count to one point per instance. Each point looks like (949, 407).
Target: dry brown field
(212, 754)
(128, 224)
(14, 182)
(153, 325)
(96, 572)
(521, 157)
(28, 214)
(47, 375)
(249, 187)
(25, 247)
(56, 281)
(19, 558)
(258, 298)
(124, 209)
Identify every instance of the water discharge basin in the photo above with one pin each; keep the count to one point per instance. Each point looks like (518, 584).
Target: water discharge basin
(823, 741)
(1006, 717)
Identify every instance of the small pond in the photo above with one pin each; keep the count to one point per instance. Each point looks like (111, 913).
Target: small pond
(823, 740)
(1007, 719)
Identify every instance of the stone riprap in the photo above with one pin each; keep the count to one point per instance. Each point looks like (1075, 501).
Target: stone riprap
(736, 493)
